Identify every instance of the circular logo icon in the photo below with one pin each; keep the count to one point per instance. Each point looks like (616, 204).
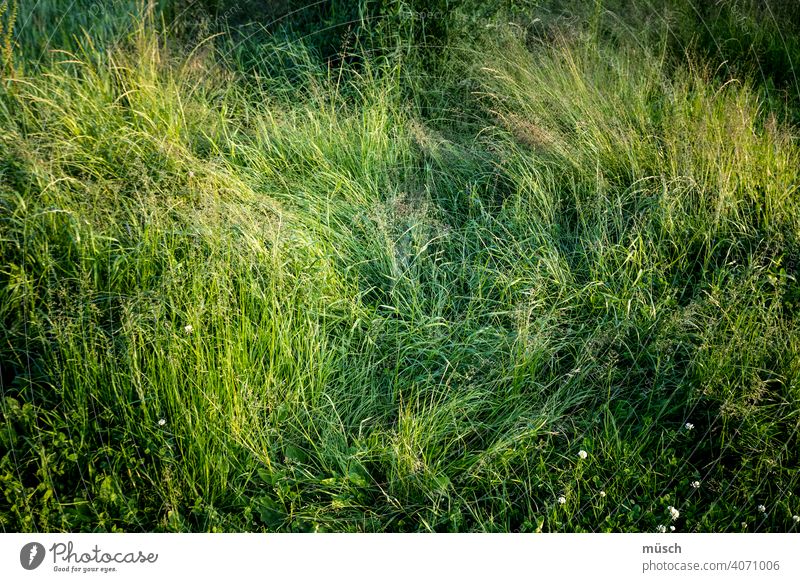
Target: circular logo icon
(31, 555)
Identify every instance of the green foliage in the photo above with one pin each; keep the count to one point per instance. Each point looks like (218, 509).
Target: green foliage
(505, 269)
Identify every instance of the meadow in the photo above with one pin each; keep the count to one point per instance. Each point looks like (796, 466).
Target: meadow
(451, 266)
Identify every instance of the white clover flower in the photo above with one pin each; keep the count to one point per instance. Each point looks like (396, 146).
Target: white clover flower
(188, 328)
(696, 484)
(762, 508)
(672, 528)
(661, 529)
(562, 500)
(688, 426)
(602, 494)
(674, 513)
(796, 518)
(583, 454)
(162, 421)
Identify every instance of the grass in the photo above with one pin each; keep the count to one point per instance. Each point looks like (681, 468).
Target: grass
(246, 288)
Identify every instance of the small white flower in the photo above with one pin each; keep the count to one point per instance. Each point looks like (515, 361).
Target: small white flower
(762, 509)
(688, 426)
(602, 494)
(696, 484)
(661, 529)
(796, 518)
(674, 513)
(562, 500)
(191, 174)
(672, 528)
(744, 524)
(583, 454)
(188, 328)
(162, 421)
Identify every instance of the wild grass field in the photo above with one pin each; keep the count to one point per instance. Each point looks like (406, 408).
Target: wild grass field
(526, 266)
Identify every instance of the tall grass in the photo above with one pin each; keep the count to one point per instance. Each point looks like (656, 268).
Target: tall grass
(347, 296)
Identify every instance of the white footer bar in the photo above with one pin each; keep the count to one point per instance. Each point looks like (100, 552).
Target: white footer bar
(355, 557)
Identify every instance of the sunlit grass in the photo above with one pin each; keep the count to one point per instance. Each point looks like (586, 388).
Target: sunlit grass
(301, 299)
